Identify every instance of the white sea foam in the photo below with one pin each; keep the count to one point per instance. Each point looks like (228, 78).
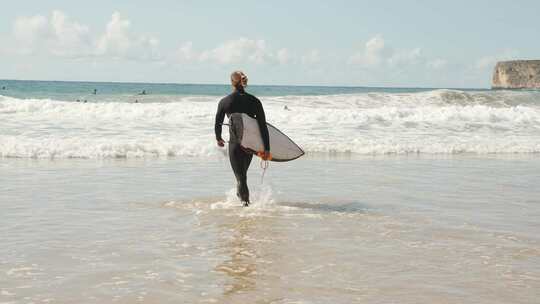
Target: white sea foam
(439, 121)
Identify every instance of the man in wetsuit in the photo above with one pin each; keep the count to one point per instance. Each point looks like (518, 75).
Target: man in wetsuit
(240, 101)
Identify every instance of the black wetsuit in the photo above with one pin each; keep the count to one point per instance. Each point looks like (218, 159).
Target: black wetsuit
(241, 102)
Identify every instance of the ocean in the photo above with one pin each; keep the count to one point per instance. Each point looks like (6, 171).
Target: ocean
(405, 195)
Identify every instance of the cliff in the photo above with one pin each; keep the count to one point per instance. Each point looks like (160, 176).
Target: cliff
(517, 74)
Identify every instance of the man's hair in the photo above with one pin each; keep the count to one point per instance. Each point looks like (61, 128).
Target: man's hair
(239, 80)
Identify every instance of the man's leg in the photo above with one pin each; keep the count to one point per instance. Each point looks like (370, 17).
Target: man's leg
(240, 161)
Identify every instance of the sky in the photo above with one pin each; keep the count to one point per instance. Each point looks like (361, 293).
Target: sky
(452, 44)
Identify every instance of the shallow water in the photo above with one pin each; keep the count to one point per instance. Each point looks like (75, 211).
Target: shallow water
(381, 229)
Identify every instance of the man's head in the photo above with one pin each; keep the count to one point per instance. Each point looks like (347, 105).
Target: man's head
(239, 80)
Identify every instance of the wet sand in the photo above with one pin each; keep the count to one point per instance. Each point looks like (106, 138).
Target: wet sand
(387, 229)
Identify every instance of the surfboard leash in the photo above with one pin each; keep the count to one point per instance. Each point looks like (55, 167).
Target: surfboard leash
(264, 165)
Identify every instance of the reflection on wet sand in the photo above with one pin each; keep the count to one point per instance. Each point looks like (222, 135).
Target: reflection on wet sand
(241, 267)
(351, 208)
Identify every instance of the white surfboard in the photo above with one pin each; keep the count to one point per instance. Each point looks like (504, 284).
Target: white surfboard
(282, 147)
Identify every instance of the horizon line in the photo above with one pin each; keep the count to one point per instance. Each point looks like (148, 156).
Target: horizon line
(253, 85)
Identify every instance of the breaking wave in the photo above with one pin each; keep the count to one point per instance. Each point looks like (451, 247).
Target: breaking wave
(435, 122)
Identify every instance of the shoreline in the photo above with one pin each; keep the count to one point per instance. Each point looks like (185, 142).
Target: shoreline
(312, 156)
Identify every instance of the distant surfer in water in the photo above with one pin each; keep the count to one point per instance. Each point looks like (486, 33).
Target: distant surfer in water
(239, 101)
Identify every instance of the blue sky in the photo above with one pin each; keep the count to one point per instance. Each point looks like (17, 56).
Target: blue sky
(367, 43)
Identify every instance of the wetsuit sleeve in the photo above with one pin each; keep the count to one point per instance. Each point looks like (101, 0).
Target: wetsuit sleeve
(220, 115)
(261, 120)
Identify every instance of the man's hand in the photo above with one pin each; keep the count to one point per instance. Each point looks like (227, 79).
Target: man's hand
(221, 143)
(266, 155)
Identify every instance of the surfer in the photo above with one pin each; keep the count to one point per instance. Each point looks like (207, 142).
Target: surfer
(239, 101)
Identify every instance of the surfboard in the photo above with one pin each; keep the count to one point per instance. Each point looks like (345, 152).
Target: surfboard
(247, 132)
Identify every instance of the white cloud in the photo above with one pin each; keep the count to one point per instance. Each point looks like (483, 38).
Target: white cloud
(283, 56)
(29, 31)
(186, 53)
(377, 53)
(119, 42)
(436, 64)
(115, 40)
(380, 63)
(241, 50)
(406, 57)
(236, 51)
(60, 36)
(68, 38)
(374, 53)
(312, 57)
